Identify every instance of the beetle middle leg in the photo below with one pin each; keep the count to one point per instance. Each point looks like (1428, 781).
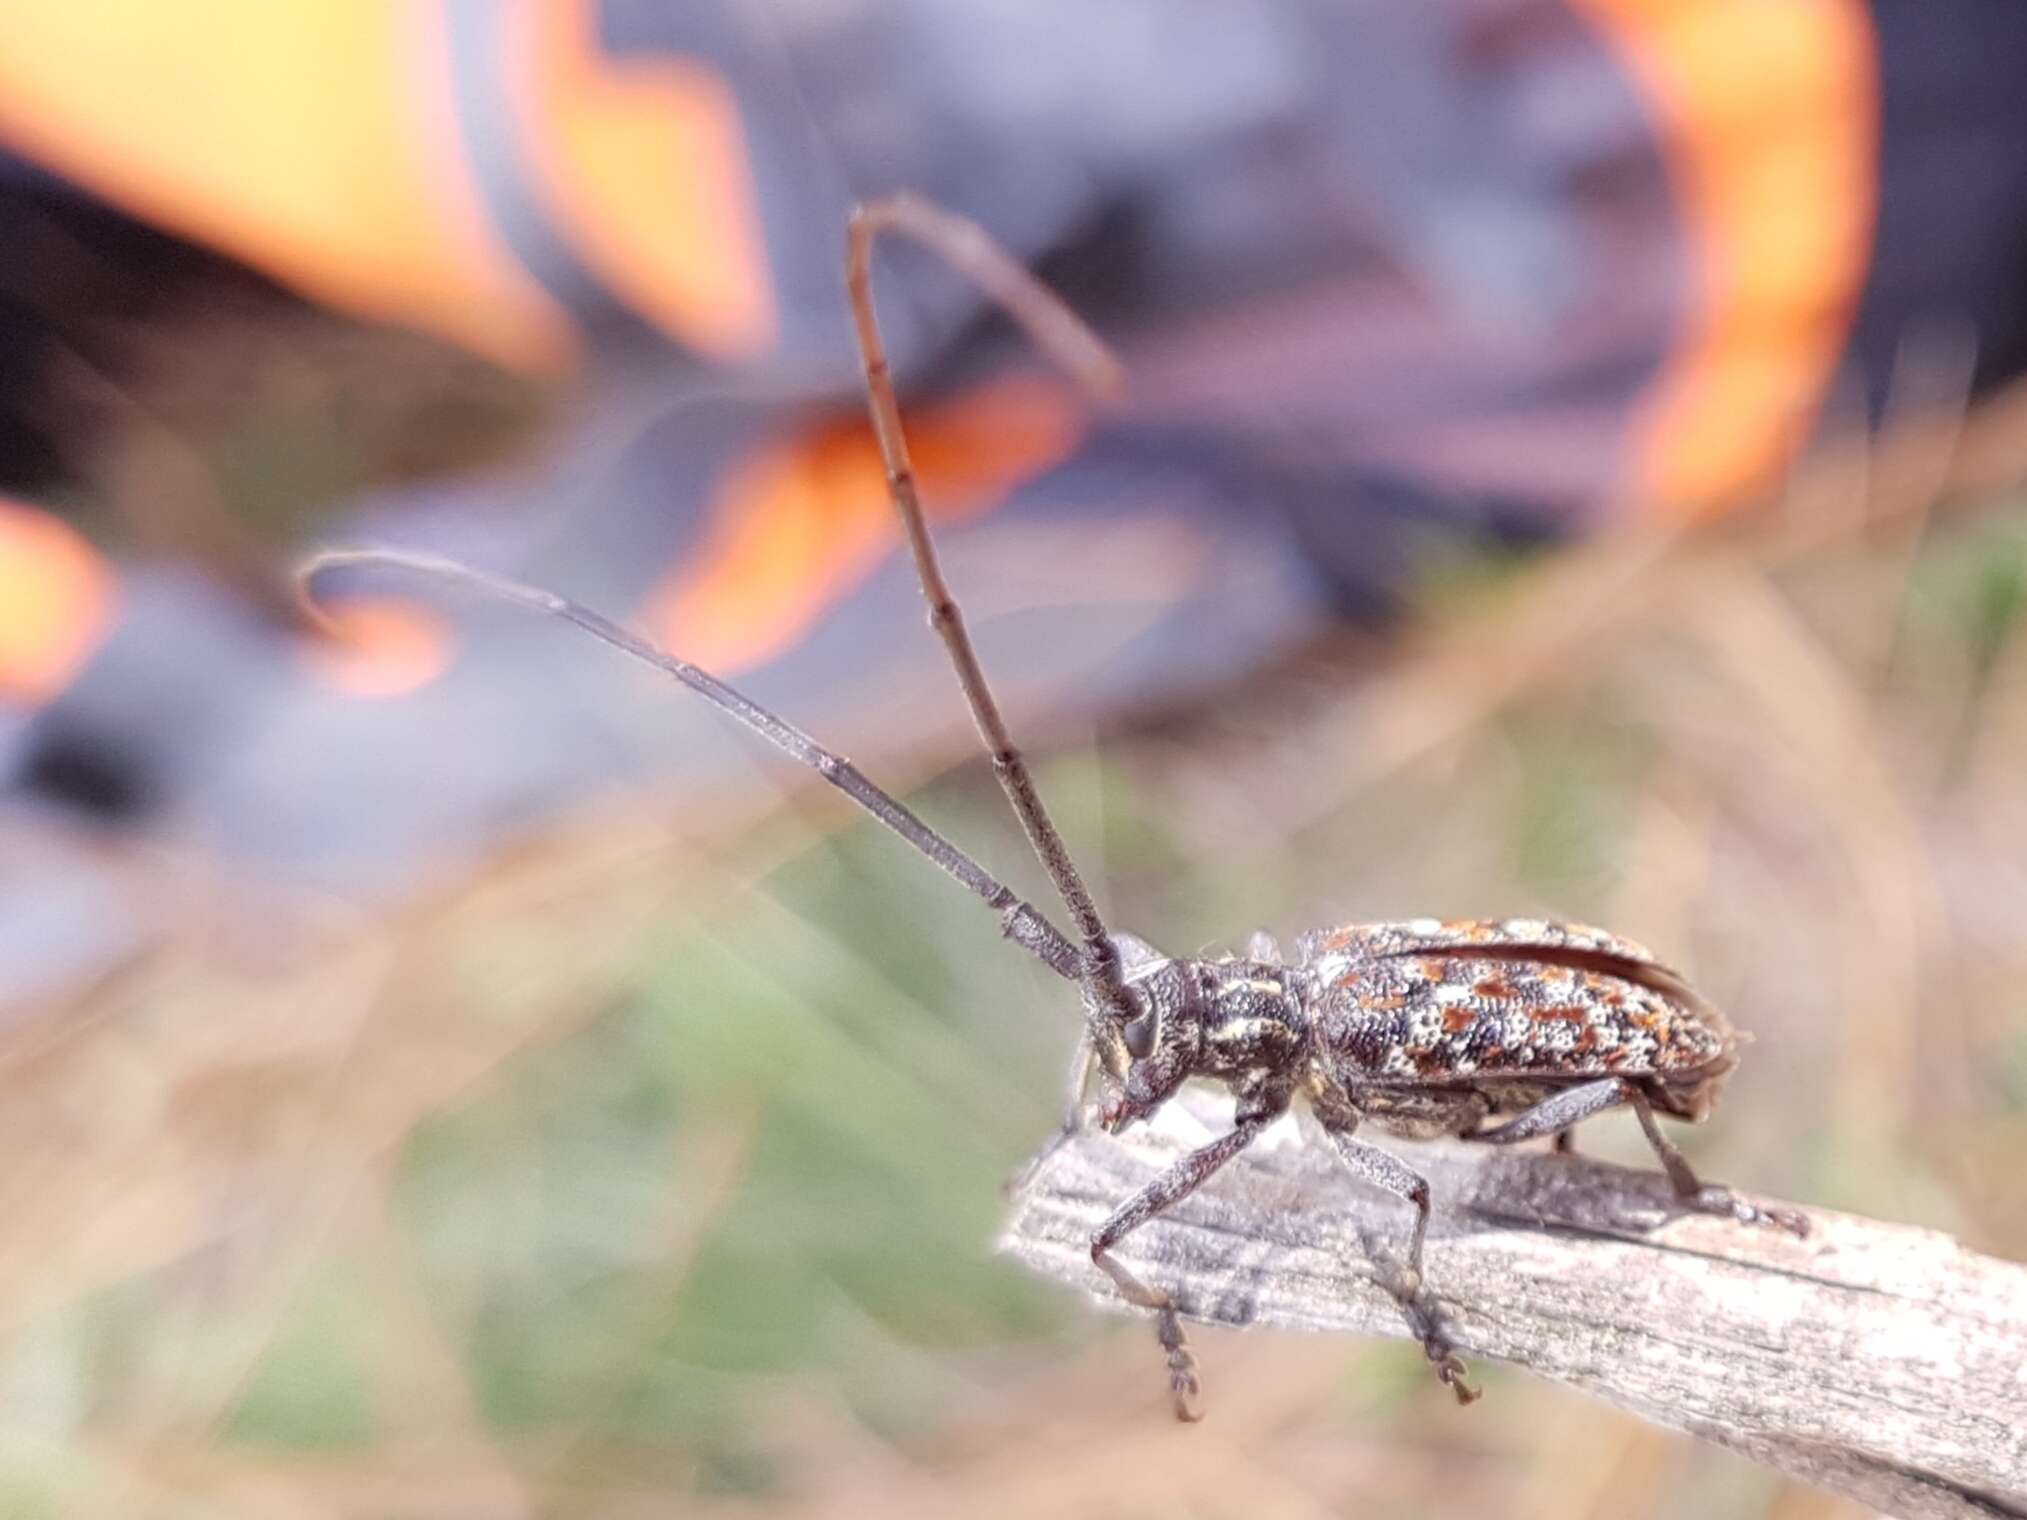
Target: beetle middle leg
(1170, 1188)
(1385, 1170)
(1559, 1112)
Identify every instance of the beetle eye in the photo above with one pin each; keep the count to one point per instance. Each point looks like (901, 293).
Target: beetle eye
(1139, 1036)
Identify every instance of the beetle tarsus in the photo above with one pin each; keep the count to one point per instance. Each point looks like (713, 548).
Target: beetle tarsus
(1425, 1324)
(1183, 1386)
(1715, 1198)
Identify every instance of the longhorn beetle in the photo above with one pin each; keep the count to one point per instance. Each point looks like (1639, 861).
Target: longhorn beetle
(1423, 1027)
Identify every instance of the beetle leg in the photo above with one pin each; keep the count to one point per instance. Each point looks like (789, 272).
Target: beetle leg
(1711, 1198)
(1561, 1111)
(1170, 1188)
(1385, 1170)
(1557, 1113)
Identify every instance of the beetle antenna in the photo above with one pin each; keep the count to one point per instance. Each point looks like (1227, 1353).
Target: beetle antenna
(1019, 921)
(1064, 336)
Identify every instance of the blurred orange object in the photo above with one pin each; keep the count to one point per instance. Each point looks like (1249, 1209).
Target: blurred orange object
(319, 141)
(803, 520)
(382, 646)
(1766, 112)
(57, 601)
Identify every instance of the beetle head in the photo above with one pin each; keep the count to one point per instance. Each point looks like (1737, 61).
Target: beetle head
(1147, 1056)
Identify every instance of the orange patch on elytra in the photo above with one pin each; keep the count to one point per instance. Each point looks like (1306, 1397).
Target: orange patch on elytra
(1433, 969)
(1456, 1018)
(1569, 1013)
(1388, 1003)
(1494, 987)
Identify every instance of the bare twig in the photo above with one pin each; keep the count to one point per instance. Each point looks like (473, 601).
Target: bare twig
(1879, 1361)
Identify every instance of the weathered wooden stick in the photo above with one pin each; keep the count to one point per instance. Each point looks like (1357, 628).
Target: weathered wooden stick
(1875, 1360)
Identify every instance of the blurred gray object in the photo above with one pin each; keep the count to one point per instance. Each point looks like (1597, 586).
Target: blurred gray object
(1379, 287)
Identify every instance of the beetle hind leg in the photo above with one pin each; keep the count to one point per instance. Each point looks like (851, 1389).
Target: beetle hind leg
(1558, 1113)
(1706, 1198)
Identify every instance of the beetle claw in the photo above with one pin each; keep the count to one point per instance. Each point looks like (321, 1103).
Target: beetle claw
(1450, 1369)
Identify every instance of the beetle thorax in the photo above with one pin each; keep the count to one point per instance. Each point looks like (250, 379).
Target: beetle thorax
(1241, 1022)
(1252, 1018)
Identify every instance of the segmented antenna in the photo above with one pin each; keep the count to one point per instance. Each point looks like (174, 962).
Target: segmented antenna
(1062, 334)
(1019, 921)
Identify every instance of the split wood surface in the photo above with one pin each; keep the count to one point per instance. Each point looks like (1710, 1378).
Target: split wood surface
(1878, 1361)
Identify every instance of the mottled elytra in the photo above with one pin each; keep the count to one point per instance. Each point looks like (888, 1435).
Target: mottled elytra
(1495, 1032)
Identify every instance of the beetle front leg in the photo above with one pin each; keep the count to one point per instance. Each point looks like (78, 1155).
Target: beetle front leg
(1170, 1188)
(1385, 1170)
(1558, 1112)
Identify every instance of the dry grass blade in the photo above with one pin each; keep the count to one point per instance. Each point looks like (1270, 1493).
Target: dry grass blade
(1879, 1361)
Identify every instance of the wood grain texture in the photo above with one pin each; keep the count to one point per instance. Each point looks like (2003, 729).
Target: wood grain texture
(1878, 1361)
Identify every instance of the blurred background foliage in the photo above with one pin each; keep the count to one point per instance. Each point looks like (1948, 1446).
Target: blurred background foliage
(656, 1170)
